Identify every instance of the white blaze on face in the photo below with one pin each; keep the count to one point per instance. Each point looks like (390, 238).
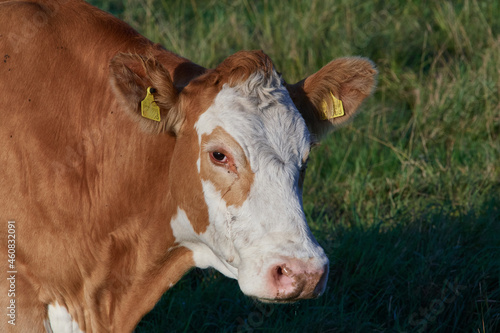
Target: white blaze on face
(268, 227)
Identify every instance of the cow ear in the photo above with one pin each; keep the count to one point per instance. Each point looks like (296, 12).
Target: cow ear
(131, 75)
(331, 97)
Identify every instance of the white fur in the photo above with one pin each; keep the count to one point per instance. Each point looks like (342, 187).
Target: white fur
(203, 255)
(61, 321)
(270, 225)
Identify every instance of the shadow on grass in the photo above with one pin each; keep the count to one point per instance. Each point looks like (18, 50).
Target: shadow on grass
(436, 271)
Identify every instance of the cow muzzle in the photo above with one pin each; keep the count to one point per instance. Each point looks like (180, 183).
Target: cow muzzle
(294, 279)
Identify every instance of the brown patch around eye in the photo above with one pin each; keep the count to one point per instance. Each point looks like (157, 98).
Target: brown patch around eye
(232, 179)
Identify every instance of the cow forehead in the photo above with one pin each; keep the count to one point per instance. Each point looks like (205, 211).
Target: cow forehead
(261, 117)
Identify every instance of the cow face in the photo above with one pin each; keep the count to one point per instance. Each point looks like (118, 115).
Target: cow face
(243, 139)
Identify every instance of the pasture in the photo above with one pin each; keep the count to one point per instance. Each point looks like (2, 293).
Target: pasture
(405, 200)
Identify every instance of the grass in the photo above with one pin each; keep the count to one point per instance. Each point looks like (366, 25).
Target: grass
(437, 272)
(406, 200)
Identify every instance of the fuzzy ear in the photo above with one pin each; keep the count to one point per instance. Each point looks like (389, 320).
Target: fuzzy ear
(348, 80)
(131, 75)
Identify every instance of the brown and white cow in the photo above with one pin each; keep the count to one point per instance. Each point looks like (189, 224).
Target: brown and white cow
(110, 209)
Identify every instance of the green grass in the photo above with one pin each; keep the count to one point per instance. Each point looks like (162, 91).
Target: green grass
(406, 200)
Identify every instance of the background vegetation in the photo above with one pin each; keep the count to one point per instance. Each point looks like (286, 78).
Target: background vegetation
(406, 200)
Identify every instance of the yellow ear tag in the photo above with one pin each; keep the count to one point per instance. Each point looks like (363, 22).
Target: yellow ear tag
(337, 109)
(149, 108)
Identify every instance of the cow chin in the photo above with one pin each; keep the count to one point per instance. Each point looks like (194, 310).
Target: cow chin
(285, 281)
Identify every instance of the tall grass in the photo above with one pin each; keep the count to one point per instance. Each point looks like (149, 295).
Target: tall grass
(406, 199)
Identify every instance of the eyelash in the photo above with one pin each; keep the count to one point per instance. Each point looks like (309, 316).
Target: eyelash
(218, 157)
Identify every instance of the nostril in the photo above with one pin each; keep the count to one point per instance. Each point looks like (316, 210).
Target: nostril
(283, 280)
(283, 270)
(295, 279)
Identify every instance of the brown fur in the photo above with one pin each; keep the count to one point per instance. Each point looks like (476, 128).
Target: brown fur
(86, 186)
(239, 66)
(184, 181)
(91, 192)
(131, 75)
(349, 79)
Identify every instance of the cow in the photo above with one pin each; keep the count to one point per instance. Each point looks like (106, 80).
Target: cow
(124, 165)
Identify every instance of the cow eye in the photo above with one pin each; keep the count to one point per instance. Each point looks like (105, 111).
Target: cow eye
(218, 157)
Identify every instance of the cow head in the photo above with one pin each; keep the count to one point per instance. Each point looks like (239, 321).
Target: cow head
(243, 137)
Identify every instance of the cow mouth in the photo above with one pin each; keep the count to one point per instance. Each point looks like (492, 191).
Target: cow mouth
(286, 300)
(288, 281)
(277, 300)
(298, 294)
